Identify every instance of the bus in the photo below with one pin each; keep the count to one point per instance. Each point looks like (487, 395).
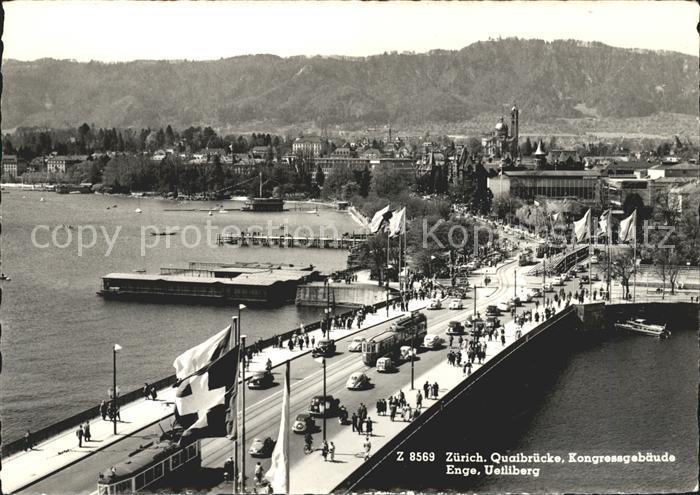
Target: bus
(150, 463)
(390, 341)
(525, 257)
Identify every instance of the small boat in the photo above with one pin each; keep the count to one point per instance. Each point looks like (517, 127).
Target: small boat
(210, 213)
(4, 277)
(138, 210)
(41, 200)
(640, 325)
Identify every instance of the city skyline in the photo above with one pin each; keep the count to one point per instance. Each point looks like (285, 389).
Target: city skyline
(85, 31)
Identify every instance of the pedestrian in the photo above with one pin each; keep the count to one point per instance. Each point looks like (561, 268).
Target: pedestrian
(419, 400)
(451, 340)
(324, 451)
(436, 388)
(426, 389)
(86, 432)
(154, 394)
(392, 412)
(503, 340)
(228, 469)
(354, 422)
(368, 426)
(28, 441)
(79, 434)
(313, 341)
(103, 410)
(368, 447)
(146, 390)
(258, 473)
(331, 451)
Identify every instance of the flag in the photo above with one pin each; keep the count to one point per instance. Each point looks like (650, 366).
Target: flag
(604, 223)
(396, 223)
(628, 228)
(581, 227)
(206, 391)
(277, 474)
(117, 347)
(556, 217)
(379, 219)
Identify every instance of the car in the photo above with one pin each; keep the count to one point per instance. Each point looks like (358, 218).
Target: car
(558, 280)
(357, 381)
(456, 304)
(514, 301)
(261, 379)
(548, 287)
(324, 347)
(536, 292)
(503, 306)
(492, 310)
(595, 277)
(581, 268)
(385, 365)
(261, 447)
(594, 259)
(407, 353)
(356, 344)
(527, 295)
(584, 279)
(566, 276)
(432, 341)
(303, 423)
(320, 406)
(435, 304)
(455, 328)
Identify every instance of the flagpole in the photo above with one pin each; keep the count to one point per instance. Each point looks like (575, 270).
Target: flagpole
(609, 236)
(242, 337)
(233, 341)
(590, 255)
(287, 384)
(387, 273)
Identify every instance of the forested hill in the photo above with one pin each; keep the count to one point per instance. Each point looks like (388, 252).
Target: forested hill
(546, 79)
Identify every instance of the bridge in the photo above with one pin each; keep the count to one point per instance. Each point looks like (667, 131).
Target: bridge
(59, 465)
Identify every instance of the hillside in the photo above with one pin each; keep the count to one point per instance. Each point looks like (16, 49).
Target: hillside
(561, 79)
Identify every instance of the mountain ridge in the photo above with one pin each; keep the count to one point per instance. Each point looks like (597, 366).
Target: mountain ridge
(546, 79)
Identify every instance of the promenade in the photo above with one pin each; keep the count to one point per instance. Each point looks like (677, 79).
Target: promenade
(23, 469)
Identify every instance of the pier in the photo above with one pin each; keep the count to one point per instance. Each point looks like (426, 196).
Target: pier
(288, 241)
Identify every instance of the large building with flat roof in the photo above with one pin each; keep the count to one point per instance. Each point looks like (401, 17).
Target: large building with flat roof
(583, 185)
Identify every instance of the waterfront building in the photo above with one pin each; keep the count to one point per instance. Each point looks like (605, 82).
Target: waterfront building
(61, 163)
(329, 164)
(12, 166)
(307, 146)
(554, 184)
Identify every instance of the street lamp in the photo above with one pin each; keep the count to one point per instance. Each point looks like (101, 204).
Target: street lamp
(116, 348)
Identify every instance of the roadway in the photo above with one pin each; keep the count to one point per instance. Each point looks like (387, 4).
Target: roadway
(263, 407)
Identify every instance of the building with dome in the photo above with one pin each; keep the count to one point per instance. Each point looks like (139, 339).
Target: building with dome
(502, 142)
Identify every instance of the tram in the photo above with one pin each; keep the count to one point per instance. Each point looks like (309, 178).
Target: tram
(148, 464)
(414, 326)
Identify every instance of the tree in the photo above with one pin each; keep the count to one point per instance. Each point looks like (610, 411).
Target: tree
(387, 181)
(320, 176)
(622, 267)
(526, 147)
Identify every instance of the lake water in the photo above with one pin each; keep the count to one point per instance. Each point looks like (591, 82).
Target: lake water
(58, 334)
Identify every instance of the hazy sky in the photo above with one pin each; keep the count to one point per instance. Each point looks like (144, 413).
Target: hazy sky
(118, 31)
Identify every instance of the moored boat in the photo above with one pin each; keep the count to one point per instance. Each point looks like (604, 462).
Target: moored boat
(640, 325)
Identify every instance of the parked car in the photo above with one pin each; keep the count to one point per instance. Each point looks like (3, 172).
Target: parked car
(261, 379)
(303, 423)
(324, 347)
(492, 310)
(503, 306)
(385, 365)
(407, 353)
(548, 287)
(432, 341)
(584, 279)
(435, 304)
(594, 259)
(455, 328)
(261, 447)
(320, 406)
(514, 301)
(456, 304)
(595, 278)
(357, 381)
(356, 344)
(536, 292)
(558, 280)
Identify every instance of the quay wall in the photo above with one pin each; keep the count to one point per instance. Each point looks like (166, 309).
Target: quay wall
(317, 294)
(17, 445)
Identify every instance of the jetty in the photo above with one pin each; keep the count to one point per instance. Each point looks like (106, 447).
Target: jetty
(287, 240)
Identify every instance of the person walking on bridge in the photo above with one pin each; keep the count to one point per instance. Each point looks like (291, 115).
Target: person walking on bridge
(86, 432)
(103, 410)
(28, 441)
(79, 434)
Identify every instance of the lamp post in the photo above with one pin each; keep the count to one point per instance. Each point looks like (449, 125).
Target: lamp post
(324, 398)
(116, 348)
(243, 452)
